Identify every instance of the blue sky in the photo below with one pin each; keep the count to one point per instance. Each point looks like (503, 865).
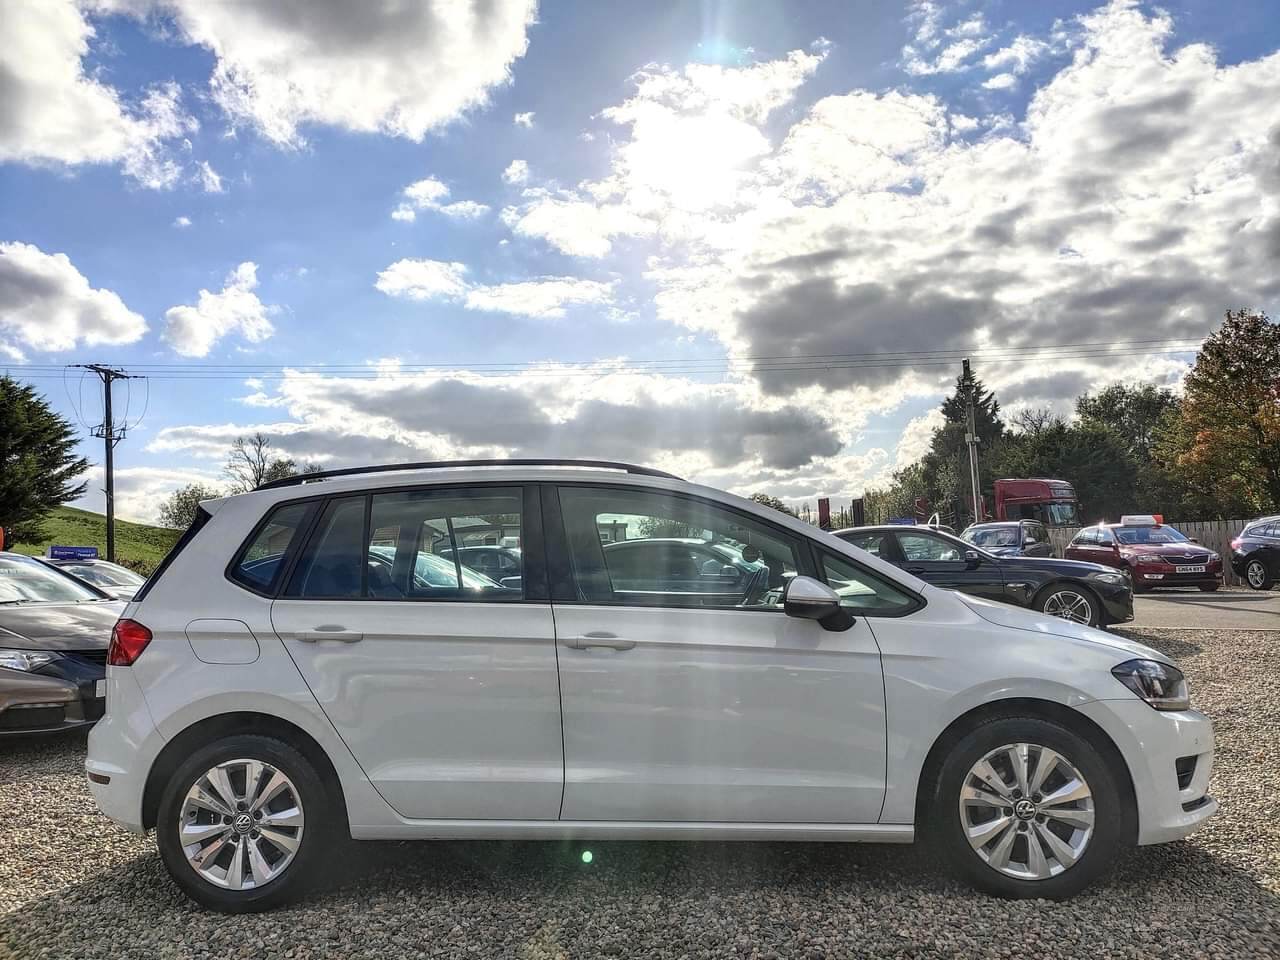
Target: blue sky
(606, 214)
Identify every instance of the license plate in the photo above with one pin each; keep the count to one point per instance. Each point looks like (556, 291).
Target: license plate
(1198, 568)
(100, 689)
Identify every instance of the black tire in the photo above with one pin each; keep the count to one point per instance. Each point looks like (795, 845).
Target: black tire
(1095, 605)
(1114, 825)
(1257, 576)
(322, 824)
(1208, 587)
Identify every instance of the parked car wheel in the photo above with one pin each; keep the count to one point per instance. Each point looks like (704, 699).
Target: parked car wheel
(1028, 808)
(1070, 602)
(244, 823)
(1257, 575)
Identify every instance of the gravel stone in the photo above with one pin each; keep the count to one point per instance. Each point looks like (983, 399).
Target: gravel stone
(74, 885)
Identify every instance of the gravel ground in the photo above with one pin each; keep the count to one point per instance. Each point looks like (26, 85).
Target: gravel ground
(73, 885)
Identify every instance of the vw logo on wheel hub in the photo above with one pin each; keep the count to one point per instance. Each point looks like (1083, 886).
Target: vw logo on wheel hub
(1024, 809)
(242, 823)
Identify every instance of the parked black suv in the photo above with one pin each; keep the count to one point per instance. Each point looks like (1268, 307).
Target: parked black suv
(1084, 592)
(1255, 554)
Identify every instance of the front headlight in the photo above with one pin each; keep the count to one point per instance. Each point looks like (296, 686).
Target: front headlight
(1116, 578)
(25, 659)
(1150, 558)
(1163, 686)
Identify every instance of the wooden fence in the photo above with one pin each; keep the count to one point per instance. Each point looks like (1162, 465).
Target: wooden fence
(1214, 534)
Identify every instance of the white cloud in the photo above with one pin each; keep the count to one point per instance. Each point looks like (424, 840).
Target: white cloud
(1018, 56)
(935, 49)
(193, 331)
(55, 113)
(139, 491)
(523, 119)
(430, 194)
(210, 180)
(399, 69)
(517, 172)
(423, 279)
(47, 304)
(545, 297)
(1001, 81)
(182, 222)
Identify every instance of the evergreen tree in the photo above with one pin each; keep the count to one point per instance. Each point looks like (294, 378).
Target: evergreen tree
(38, 463)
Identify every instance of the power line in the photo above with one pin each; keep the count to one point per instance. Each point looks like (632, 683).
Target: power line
(111, 434)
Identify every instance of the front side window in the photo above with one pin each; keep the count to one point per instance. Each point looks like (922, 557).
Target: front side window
(861, 591)
(874, 543)
(644, 548)
(920, 546)
(261, 562)
(413, 545)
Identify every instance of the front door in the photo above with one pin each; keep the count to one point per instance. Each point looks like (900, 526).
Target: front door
(441, 681)
(701, 701)
(941, 561)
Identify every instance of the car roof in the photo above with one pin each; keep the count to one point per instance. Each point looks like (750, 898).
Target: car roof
(879, 527)
(998, 523)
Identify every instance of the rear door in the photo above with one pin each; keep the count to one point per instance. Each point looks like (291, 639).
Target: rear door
(441, 682)
(682, 704)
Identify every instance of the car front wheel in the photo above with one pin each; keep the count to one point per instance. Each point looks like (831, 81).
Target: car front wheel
(1257, 575)
(1070, 603)
(243, 823)
(1027, 808)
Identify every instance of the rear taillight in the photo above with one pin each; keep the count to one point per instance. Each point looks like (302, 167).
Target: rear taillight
(128, 639)
(1235, 544)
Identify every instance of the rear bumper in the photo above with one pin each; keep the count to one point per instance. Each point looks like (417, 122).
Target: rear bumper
(122, 748)
(1152, 744)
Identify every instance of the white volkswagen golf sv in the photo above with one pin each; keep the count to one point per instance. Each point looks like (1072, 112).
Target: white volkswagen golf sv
(662, 660)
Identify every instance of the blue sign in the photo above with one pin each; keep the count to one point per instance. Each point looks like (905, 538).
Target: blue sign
(903, 521)
(73, 553)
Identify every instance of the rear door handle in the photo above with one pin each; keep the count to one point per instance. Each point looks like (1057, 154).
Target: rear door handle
(608, 640)
(328, 633)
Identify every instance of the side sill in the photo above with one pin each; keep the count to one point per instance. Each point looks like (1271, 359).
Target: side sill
(634, 830)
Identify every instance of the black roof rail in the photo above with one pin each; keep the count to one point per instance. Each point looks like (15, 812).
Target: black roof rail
(302, 478)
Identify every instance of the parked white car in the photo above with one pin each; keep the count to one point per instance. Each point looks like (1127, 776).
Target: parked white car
(291, 677)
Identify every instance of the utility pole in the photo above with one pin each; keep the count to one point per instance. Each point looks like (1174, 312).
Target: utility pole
(971, 439)
(108, 433)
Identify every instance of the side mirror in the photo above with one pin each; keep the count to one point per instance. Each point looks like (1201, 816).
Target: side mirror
(806, 598)
(972, 559)
(1193, 540)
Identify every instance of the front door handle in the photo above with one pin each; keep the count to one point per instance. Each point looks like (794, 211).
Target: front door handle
(916, 570)
(608, 640)
(328, 633)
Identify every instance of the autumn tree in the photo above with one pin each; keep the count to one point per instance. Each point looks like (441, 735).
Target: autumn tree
(179, 510)
(39, 467)
(1224, 444)
(1133, 412)
(251, 463)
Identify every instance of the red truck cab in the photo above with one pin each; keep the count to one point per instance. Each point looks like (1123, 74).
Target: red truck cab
(1052, 502)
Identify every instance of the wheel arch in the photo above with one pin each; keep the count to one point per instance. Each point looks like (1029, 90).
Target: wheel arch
(1083, 588)
(218, 726)
(1073, 720)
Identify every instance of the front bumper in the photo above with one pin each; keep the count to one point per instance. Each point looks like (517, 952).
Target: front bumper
(1151, 575)
(1153, 743)
(31, 703)
(1116, 599)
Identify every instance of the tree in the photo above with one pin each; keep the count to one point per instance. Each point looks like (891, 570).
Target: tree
(1093, 458)
(38, 463)
(179, 510)
(767, 501)
(250, 463)
(1224, 444)
(946, 465)
(1133, 412)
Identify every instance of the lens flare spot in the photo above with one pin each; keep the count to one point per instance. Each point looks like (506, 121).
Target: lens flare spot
(586, 856)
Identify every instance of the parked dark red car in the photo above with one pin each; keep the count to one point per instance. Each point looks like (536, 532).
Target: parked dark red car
(1154, 553)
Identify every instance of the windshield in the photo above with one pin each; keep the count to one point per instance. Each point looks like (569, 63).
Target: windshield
(104, 574)
(1139, 535)
(30, 581)
(1061, 514)
(992, 536)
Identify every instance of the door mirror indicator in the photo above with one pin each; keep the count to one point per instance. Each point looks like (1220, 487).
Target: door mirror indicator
(807, 599)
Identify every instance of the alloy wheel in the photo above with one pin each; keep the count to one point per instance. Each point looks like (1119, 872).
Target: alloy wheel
(1026, 811)
(241, 824)
(1256, 574)
(1069, 605)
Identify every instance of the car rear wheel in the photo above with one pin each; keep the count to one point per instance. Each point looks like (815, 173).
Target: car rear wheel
(1257, 575)
(1070, 602)
(244, 824)
(1028, 808)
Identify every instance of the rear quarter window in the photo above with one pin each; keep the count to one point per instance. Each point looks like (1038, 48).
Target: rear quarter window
(261, 560)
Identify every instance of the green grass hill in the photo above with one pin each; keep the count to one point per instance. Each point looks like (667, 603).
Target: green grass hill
(137, 545)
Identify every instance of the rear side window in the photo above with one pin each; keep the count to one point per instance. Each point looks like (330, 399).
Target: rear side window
(261, 561)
